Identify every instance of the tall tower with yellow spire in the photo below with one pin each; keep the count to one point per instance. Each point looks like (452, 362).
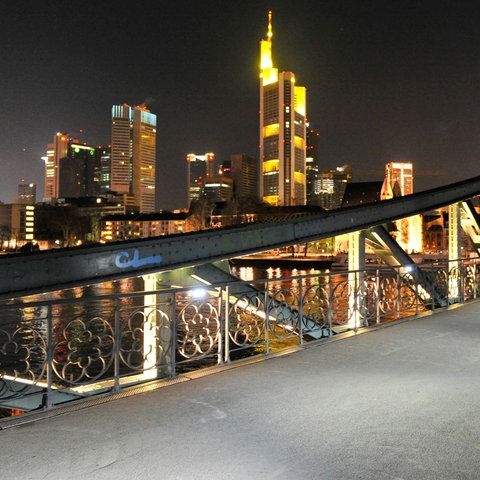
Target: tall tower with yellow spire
(282, 132)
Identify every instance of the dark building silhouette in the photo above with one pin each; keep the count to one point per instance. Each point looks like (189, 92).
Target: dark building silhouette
(312, 168)
(357, 193)
(244, 172)
(79, 172)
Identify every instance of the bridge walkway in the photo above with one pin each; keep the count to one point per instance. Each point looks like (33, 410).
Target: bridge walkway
(397, 402)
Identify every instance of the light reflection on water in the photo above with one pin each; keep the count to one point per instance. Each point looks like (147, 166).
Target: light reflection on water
(33, 319)
(126, 285)
(26, 329)
(312, 276)
(258, 273)
(88, 306)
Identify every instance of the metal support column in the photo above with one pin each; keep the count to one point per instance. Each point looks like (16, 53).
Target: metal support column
(150, 337)
(471, 224)
(356, 250)
(454, 251)
(454, 232)
(356, 269)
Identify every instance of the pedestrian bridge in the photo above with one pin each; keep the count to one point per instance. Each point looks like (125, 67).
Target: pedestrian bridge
(190, 314)
(396, 403)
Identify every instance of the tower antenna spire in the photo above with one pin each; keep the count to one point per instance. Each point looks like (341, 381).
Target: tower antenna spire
(270, 32)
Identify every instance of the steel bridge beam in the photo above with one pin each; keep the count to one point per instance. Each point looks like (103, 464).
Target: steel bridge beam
(471, 224)
(392, 254)
(23, 274)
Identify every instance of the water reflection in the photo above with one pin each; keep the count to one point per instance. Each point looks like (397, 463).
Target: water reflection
(291, 278)
(126, 285)
(76, 326)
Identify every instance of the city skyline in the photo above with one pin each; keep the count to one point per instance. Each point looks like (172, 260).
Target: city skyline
(385, 82)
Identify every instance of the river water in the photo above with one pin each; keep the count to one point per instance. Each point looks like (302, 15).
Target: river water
(135, 284)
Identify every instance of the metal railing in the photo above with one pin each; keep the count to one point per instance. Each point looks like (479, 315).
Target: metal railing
(64, 349)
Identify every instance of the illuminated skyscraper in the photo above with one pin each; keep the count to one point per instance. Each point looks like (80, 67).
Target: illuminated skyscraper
(133, 155)
(402, 174)
(282, 132)
(121, 159)
(55, 152)
(219, 189)
(104, 156)
(200, 168)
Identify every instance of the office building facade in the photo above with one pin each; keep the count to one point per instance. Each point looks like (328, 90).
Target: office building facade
(133, 156)
(244, 172)
(55, 152)
(27, 193)
(79, 172)
(282, 132)
(409, 230)
(219, 189)
(330, 187)
(312, 167)
(200, 169)
(127, 227)
(402, 174)
(103, 155)
(17, 225)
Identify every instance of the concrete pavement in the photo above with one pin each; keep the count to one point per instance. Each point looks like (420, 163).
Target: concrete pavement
(401, 402)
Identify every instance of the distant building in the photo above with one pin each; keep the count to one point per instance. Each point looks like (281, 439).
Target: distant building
(79, 172)
(103, 154)
(402, 174)
(358, 193)
(244, 172)
(330, 187)
(127, 227)
(200, 168)
(73, 169)
(17, 224)
(435, 228)
(73, 221)
(27, 194)
(219, 189)
(409, 230)
(133, 156)
(312, 168)
(55, 152)
(282, 132)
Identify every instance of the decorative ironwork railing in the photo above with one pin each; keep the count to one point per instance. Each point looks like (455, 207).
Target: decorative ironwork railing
(56, 351)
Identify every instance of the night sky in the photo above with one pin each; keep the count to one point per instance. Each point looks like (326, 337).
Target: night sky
(386, 81)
